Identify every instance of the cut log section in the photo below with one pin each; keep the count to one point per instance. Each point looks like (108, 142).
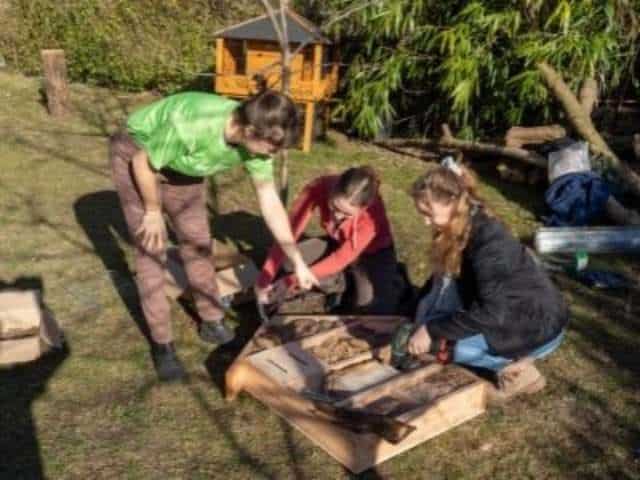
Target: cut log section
(397, 410)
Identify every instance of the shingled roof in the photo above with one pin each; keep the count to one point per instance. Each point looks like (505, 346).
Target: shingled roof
(299, 29)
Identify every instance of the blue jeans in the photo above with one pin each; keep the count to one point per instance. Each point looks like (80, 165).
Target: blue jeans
(442, 301)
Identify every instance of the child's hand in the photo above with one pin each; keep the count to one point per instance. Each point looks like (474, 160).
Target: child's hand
(420, 342)
(306, 279)
(272, 293)
(263, 294)
(279, 291)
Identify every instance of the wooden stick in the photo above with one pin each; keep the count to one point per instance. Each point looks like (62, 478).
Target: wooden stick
(54, 67)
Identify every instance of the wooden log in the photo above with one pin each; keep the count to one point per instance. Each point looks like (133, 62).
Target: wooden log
(520, 136)
(481, 148)
(56, 86)
(583, 125)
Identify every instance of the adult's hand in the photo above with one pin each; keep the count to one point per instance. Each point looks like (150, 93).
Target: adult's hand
(152, 231)
(420, 342)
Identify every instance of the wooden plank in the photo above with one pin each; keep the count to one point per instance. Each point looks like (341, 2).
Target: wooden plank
(20, 314)
(400, 381)
(298, 411)
(447, 413)
(20, 350)
(235, 375)
(360, 451)
(238, 275)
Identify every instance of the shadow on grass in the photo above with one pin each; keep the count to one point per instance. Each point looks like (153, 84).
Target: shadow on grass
(20, 386)
(100, 216)
(247, 231)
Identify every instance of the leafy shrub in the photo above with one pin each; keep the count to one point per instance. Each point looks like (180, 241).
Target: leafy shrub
(131, 44)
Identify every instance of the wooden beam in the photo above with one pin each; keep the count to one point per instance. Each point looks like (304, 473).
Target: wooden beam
(307, 140)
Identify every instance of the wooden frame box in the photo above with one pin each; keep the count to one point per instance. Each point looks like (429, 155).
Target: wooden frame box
(345, 362)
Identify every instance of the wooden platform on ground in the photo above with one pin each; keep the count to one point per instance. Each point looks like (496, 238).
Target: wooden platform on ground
(296, 360)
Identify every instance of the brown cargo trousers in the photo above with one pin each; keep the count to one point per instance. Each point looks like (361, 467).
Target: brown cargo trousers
(184, 201)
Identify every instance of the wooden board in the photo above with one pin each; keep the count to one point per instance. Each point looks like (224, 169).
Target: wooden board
(20, 314)
(349, 363)
(235, 273)
(29, 348)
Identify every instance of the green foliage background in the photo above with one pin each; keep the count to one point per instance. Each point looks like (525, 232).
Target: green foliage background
(407, 63)
(131, 44)
(472, 62)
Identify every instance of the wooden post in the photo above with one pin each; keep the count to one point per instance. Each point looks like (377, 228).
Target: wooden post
(317, 71)
(309, 113)
(56, 86)
(219, 54)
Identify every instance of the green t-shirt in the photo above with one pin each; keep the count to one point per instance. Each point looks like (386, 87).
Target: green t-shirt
(185, 133)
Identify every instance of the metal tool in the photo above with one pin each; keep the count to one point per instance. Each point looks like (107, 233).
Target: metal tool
(588, 239)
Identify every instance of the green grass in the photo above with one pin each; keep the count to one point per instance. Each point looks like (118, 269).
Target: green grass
(95, 411)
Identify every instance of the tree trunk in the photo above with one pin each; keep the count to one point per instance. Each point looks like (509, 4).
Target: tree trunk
(582, 123)
(56, 86)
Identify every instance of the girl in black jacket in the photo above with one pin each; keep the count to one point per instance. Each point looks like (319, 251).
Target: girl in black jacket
(487, 293)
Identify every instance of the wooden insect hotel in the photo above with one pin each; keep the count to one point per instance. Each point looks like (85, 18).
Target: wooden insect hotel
(251, 48)
(332, 378)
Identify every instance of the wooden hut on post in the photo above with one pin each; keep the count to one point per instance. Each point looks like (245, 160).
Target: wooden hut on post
(251, 49)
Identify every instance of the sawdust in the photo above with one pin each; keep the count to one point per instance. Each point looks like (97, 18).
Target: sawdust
(338, 349)
(295, 329)
(359, 340)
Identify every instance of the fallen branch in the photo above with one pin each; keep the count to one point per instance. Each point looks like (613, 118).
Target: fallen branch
(583, 125)
(449, 142)
(469, 146)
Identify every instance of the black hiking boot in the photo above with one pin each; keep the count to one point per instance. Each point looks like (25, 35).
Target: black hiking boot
(215, 332)
(167, 364)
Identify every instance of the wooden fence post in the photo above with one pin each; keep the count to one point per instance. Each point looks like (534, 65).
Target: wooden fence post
(56, 86)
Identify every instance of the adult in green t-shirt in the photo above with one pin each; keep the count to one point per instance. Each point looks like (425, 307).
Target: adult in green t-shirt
(159, 163)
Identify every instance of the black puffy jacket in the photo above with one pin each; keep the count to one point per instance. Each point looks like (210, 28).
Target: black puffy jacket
(507, 297)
